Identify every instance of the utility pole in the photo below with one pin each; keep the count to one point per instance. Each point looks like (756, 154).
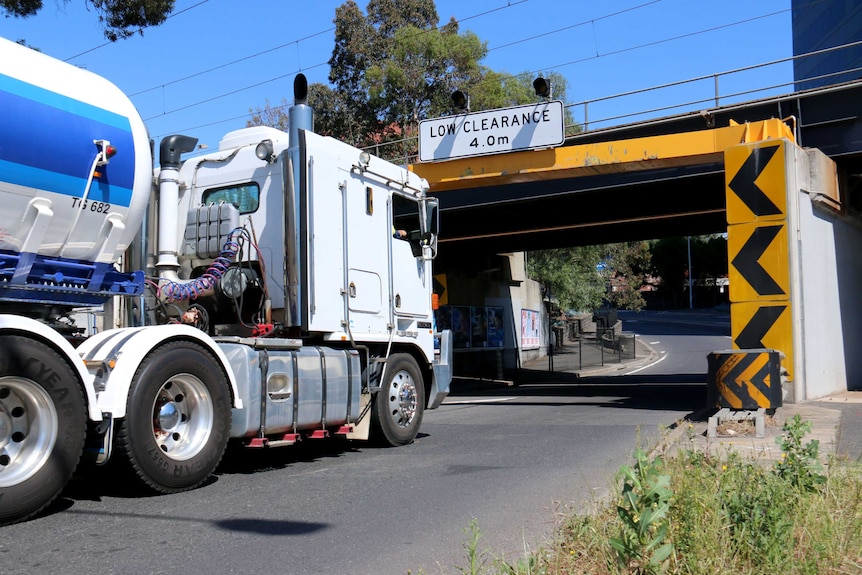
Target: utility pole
(690, 277)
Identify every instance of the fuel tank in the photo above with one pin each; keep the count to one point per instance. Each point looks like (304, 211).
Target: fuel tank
(55, 120)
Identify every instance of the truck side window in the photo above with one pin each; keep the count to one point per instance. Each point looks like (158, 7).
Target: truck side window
(405, 216)
(246, 197)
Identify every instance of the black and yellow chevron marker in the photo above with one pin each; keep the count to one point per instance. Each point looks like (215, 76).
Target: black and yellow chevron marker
(761, 262)
(758, 249)
(769, 325)
(745, 379)
(756, 182)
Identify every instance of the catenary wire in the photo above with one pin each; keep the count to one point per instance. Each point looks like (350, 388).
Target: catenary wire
(108, 43)
(524, 74)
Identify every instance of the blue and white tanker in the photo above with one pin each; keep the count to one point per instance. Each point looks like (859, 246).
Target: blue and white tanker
(271, 303)
(70, 209)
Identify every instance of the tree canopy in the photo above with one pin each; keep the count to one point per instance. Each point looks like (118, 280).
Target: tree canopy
(119, 18)
(392, 67)
(582, 278)
(571, 276)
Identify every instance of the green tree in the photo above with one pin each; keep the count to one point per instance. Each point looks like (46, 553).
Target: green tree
(571, 274)
(394, 67)
(119, 18)
(502, 90)
(627, 266)
(582, 278)
(330, 115)
(421, 70)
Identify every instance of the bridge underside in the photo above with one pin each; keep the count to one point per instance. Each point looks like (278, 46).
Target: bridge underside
(656, 179)
(585, 211)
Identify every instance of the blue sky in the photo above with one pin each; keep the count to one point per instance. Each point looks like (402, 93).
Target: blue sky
(201, 71)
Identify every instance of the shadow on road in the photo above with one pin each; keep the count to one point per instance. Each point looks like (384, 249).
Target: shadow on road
(680, 392)
(253, 525)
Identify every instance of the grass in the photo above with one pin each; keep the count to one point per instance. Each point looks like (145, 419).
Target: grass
(697, 513)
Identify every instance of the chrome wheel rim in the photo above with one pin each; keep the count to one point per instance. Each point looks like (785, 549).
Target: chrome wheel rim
(183, 417)
(403, 399)
(28, 429)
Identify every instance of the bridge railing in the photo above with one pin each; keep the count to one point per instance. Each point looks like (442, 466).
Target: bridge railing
(701, 91)
(691, 95)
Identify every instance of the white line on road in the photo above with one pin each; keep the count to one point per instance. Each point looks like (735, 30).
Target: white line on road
(654, 342)
(492, 400)
(661, 359)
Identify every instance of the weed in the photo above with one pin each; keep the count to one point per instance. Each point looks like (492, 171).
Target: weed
(758, 513)
(476, 559)
(643, 512)
(800, 465)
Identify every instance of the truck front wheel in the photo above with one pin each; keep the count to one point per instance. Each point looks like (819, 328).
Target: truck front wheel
(178, 418)
(42, 426)
(398, 407)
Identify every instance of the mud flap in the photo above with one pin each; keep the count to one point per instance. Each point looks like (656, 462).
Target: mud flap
(362, 427)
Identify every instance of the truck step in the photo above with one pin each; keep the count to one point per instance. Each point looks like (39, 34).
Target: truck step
(285, 440)
(319, 434)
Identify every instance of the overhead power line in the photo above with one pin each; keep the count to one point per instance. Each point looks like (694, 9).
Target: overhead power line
(510, 4)
(571, 26)
(172, 14)
(520, 41)
(232, 62)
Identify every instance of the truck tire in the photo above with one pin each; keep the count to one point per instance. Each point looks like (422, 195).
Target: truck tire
(43, 423)
(178, 418)
(396, 412)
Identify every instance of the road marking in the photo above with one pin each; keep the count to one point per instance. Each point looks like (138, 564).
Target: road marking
(471, 401)
(654, 342)
(661, 359)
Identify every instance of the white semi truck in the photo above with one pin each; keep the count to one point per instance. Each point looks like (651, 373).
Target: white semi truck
(274, 302)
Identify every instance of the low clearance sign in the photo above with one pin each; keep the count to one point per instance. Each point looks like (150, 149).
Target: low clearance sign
(490, 132)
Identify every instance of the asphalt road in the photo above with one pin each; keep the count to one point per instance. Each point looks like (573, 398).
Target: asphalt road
(683, 339)
(513, 458)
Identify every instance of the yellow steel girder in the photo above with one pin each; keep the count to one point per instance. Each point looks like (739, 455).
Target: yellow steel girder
(650, 152)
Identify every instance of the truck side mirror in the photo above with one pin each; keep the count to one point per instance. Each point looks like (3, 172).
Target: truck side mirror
(431, 229)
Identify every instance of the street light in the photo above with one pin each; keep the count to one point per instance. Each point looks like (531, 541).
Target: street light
(461, 100)
(542, 87)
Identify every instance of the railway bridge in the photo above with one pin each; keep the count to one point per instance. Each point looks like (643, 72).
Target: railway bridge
(781, 176)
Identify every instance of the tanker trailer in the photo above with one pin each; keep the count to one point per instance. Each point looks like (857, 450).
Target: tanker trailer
(75, 181)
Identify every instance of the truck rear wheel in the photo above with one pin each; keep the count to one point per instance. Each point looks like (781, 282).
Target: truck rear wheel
(398, 407)
(42, 426)
(178, 418)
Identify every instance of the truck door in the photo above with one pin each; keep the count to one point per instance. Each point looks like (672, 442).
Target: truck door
(348, 243)
(410, 273)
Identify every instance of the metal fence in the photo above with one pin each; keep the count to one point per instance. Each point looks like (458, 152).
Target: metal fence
(605, 346)
(572, 349)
